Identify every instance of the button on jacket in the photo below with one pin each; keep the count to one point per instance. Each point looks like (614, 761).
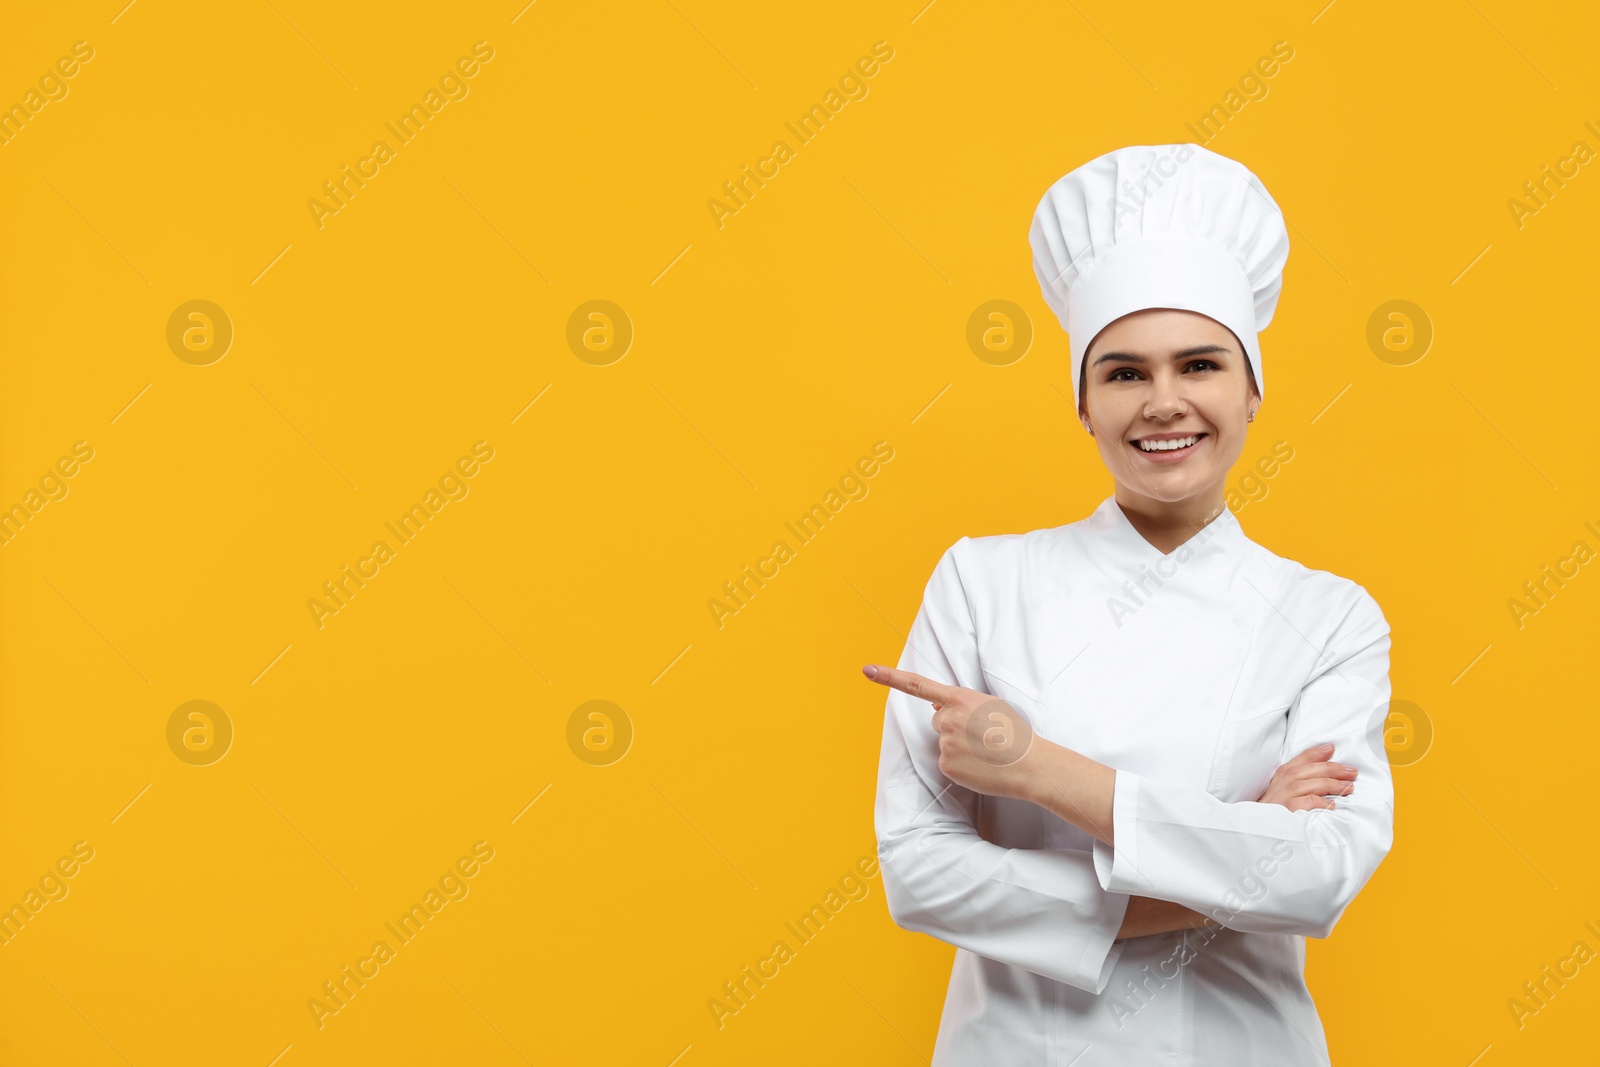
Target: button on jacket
(1195, 674)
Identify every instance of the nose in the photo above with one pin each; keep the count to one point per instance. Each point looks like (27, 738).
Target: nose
(1165, 400)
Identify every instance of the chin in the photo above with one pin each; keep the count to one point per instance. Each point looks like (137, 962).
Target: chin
(1170, 494)
(1172, 488)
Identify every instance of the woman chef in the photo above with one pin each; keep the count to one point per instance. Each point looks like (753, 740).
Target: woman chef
(1080, 784)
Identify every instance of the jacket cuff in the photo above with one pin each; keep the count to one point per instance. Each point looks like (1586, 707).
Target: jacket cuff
(1101, 953)
(1117, 868)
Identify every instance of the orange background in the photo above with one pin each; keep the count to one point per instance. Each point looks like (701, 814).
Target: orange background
(768, 355)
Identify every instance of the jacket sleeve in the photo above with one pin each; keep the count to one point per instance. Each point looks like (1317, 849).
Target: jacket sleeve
(1042, 910)
(1261, 868)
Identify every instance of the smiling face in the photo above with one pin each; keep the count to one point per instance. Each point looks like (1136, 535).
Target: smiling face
(1168, 394)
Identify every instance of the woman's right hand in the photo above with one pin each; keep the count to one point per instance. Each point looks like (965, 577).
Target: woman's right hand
(1307, 781)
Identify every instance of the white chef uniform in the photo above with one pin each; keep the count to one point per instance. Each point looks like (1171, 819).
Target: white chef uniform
(1195, 674)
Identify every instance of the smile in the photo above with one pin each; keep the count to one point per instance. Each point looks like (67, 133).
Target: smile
(1175, 444)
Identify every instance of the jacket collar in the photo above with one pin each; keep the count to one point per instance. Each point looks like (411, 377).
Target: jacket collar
(1212, 555)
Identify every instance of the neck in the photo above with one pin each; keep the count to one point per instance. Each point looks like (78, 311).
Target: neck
(1166, 524)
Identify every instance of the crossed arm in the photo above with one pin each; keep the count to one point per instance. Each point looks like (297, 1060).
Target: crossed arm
(1008, 760)
(1164, 856)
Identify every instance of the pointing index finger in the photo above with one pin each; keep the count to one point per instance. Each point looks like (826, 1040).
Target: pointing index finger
(907, 682)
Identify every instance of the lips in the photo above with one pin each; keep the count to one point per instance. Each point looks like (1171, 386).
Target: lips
(1169, 451)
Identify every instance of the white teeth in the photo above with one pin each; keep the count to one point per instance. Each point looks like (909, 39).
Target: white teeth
(1168, 446)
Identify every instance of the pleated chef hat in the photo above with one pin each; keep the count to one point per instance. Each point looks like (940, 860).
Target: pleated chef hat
(1160, 226)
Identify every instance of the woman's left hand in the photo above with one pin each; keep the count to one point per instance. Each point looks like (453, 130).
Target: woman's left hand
(983, 741)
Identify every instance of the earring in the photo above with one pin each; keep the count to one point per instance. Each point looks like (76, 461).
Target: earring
(1252, 417)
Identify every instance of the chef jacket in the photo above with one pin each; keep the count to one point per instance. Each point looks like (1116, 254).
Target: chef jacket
(1194, 674)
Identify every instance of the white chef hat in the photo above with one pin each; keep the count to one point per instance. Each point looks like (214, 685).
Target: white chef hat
(1160, 226)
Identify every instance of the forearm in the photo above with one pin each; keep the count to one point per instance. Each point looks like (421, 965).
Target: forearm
(1080, 790)
(1069, 785)
(1147, 915)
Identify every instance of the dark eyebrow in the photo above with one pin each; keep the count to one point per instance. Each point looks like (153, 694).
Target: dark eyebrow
(1130, 357)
